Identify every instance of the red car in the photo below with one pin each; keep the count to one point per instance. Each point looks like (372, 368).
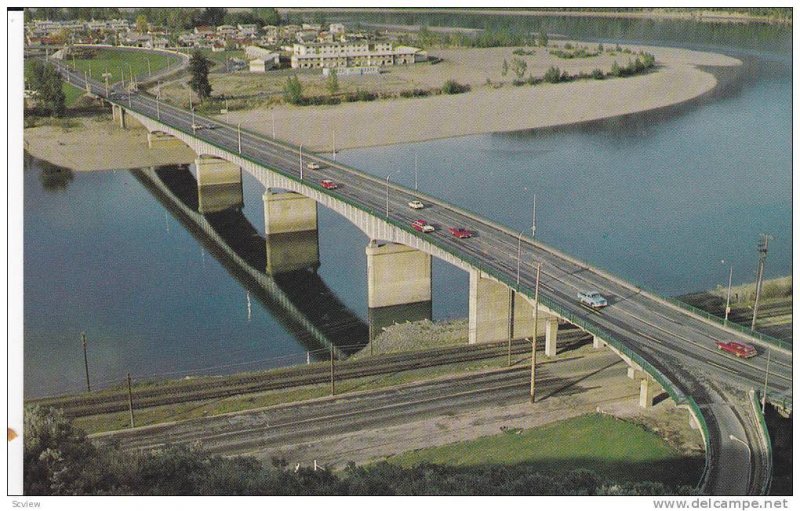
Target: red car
(739, 349)
(460, 232)
(328, 184)
(422, 226)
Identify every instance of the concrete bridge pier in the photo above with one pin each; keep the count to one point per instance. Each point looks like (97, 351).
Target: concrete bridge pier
(597, 343)
(550, 336)
(120, 116)
(290, 224)
(219, 184)
(648, 391)
(397, 275)
(495, 312)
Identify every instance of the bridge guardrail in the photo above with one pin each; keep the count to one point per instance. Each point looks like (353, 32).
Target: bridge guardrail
(764, 433)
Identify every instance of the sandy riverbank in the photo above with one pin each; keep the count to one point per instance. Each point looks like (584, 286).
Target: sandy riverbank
(487, 110)
(96, 143)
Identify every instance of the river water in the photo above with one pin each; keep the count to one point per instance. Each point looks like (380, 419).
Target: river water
(658, 198)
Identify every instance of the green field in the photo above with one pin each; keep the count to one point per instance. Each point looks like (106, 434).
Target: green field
(120, 63)
(614, 449)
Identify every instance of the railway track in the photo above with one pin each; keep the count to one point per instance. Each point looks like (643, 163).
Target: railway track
(227, 386)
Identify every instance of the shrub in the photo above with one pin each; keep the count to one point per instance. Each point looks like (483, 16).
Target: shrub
(552, 75)
(453, 87)
(598, 74)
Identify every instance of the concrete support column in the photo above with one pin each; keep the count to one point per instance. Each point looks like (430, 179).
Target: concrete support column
(216, 171)
(597, 343)
(550, 336)
(490, 314)
(648, 390)
(397, 274)
(118, 114)
(289, 212)
(290, 224)
(634, 373)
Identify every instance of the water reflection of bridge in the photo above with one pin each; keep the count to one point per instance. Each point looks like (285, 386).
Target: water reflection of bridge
(292, 291)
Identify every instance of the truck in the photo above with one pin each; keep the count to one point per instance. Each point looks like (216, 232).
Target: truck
(739, 349)
(592, 299)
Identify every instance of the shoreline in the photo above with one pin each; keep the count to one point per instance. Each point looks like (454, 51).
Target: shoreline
(682, 77)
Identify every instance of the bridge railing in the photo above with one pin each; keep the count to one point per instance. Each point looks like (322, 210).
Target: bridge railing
(765, 439)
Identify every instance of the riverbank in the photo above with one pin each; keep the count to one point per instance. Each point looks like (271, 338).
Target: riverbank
(677, 79)
(94, 142)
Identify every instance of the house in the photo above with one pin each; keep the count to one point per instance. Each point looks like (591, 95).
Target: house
(205, 31)
(352, 54)
(247, 29)
(226, 31)
(336, 28)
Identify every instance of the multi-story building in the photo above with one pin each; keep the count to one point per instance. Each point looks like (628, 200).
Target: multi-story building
(226, 31)
(353, 54)
(247, 29)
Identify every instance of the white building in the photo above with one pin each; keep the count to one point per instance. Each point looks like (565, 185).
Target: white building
(336, 28)
(353, 54)
(247, 30)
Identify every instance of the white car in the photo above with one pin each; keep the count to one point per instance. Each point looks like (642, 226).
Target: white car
(313, 166)
(592, 299)
(415, 204)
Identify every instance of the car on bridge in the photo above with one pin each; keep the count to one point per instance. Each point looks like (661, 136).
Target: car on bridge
(739, 349)
(422, 226)
(328, 184)
(592, 299)
(460, 232)
(313, 165)
(415, 204)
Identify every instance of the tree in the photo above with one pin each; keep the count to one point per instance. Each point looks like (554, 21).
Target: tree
(519, 67)
(616, 71)
(213, 16)
(45, 80)
(198, 67)
(333, 82)
(141, 24)
(267, 15)
(543, 41)
(505, 67)
(293, 90)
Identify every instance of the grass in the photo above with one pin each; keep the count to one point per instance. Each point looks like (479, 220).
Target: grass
(615, 449)
(119, 63)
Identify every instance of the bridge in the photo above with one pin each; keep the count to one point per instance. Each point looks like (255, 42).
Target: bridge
(519, 287)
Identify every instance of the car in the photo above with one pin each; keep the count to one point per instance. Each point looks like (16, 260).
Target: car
(739, 349)
(415, 204)
(592, 299)
(460, 232)
(313, 165)
(196, 126)
(422, 226)
(328, 184)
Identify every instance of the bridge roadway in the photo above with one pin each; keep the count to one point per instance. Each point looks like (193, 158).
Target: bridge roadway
(677, 343)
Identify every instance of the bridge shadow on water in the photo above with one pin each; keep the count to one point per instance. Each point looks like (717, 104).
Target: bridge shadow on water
(300, 300)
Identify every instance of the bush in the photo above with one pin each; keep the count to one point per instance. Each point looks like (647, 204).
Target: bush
(453, 87)
(552, 75)
(598, 74)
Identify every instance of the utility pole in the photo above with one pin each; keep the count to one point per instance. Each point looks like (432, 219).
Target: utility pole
(510, 326)
(130, 401)
(766, 377)
(333, 374)
(86, 362)
(535, 331)
(762, 258)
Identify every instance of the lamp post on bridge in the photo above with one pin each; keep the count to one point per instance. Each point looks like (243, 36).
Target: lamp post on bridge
(239, 134)
(301, 162)
(416, 188)
(387, 192)
(737, 439)
(728, 299)
(535, 332)
(158, 97)
(519, 255)
(533, 225)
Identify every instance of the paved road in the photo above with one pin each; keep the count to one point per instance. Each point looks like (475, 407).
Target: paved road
(677, 343)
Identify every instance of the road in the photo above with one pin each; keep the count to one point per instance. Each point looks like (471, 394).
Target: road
(677, 343)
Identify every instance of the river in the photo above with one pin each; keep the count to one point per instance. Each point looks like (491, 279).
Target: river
(658, 198)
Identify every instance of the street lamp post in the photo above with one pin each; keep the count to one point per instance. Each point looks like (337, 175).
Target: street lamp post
(301, 162)
(387, 193)
(533, 225)
(519, 255)
(766, 378)
(149, 72)
(737, 439)
(239, 134)
(158, 97)
(728, 299)
(415, 172)
(273, 122)
(535, 328)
